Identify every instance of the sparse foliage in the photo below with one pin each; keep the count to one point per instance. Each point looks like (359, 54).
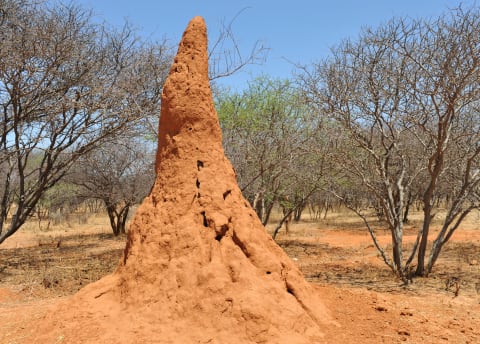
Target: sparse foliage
(272, 140)
(66, 85)
(119, 173)
(406, 97)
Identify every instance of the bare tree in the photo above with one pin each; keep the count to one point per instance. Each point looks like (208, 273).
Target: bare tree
(66, 85)
(119, 173)
(447, 70)
(406, 99)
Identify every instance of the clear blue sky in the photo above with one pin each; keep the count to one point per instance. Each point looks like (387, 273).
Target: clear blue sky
(301, 31)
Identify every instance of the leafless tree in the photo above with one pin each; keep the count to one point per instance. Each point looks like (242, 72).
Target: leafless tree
(447, 73)
(405, 97)
(66, 85)
(119, 173)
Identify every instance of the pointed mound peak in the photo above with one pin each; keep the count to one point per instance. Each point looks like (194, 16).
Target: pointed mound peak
(192, 50)
(187, 103)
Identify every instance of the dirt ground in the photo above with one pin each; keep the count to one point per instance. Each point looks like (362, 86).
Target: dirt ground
(40, 268)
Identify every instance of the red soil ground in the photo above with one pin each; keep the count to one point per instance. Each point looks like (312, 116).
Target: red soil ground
(368, 303)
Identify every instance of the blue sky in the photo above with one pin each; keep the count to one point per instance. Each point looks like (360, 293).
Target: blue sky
(300, 31)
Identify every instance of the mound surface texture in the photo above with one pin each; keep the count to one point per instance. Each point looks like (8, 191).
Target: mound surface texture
(198, 266)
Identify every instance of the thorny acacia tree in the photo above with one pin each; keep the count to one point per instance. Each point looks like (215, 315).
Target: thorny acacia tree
(65, 85)
(407, 99)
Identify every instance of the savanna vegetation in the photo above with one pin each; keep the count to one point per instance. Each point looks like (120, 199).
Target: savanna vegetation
(387, 124)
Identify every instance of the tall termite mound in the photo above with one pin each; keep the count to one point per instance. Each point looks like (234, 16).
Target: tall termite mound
(198, 266)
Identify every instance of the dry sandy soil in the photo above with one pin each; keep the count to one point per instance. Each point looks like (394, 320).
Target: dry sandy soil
(38, 269)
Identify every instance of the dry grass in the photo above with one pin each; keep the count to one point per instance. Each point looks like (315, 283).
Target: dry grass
(61, 260)
(338, 251)
(335, 251)
(371, 305)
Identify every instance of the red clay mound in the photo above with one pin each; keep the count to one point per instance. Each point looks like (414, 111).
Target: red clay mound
(198, 265)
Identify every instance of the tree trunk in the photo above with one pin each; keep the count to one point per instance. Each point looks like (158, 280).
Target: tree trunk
(5, 204)
(258, 204)
(397, 247)
(445, 234)
(407, 208)
(286, 215)
(267, 212)
(118, 219)
(435, 167)
(124, 219)
(422, 249)
(21, 214)
(299, 211)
